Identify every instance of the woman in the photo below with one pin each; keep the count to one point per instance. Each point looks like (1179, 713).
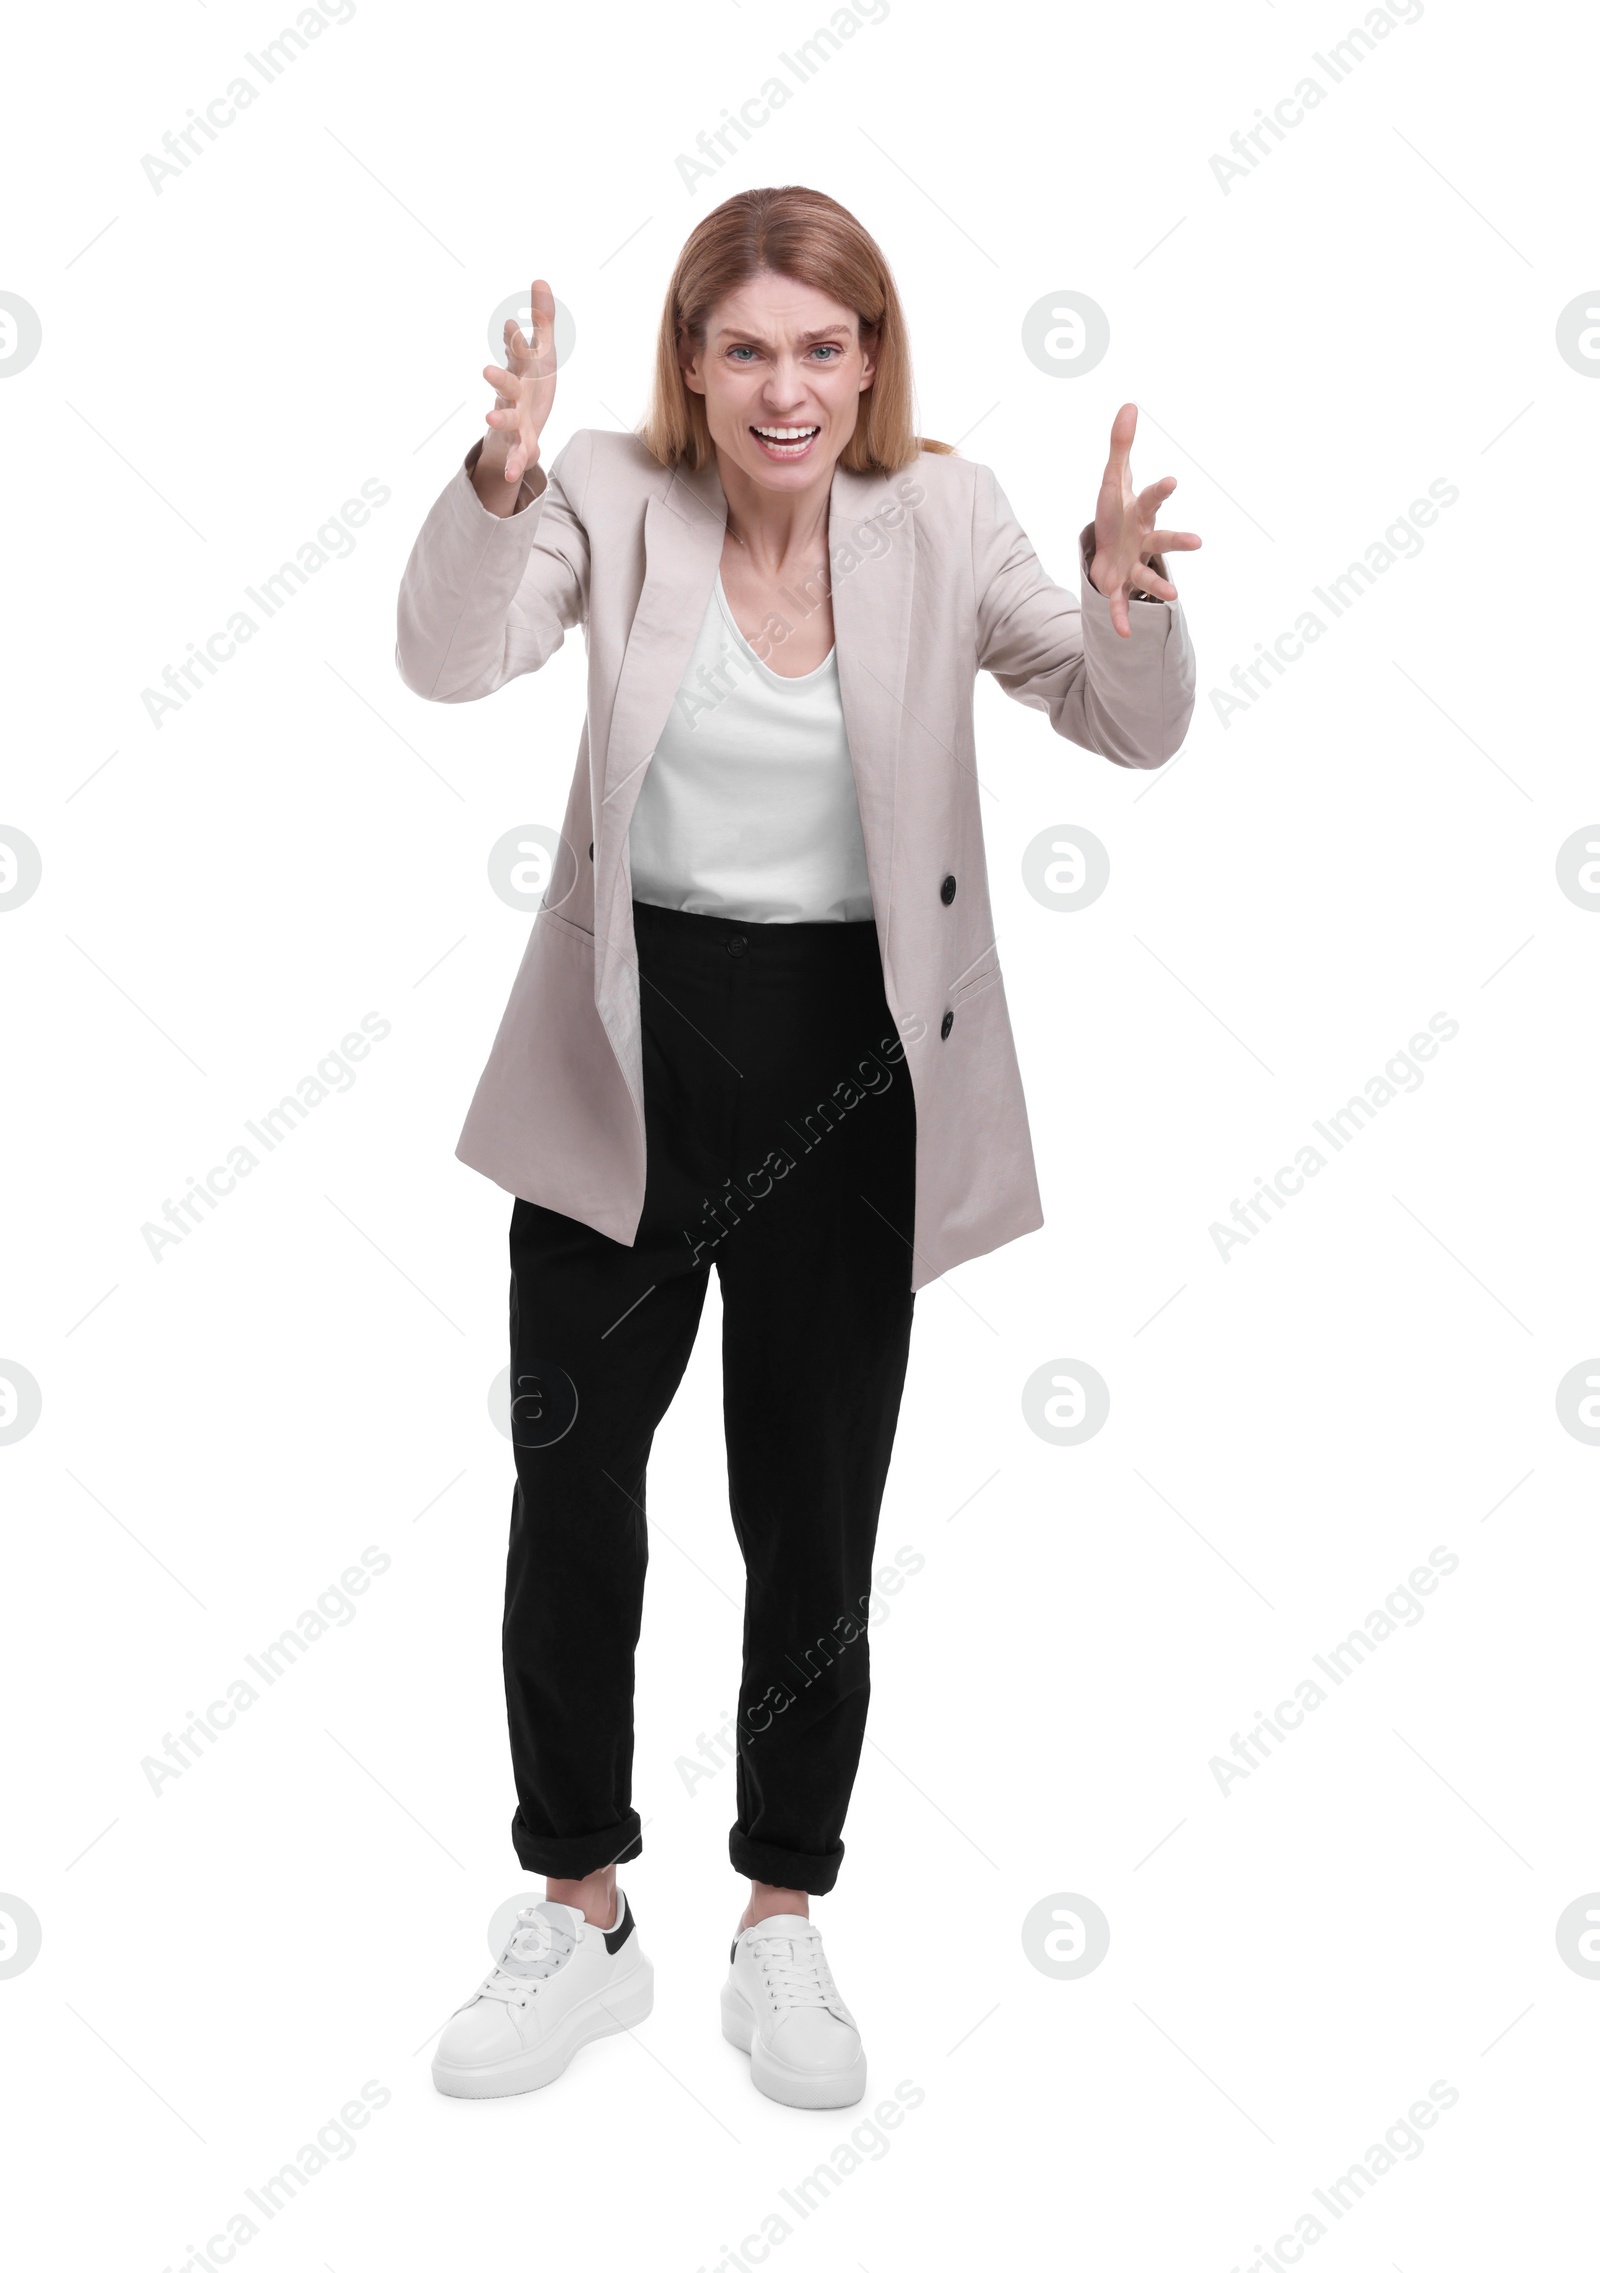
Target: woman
(759, 1026)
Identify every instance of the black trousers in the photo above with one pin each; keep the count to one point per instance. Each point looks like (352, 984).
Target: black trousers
(780, 1151)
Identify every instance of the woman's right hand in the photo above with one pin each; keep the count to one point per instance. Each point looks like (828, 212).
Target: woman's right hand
(525, 389)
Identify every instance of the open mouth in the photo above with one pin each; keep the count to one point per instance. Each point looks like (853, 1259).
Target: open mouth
(786, 441)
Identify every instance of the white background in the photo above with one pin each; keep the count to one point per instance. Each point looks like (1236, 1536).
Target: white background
(1293, 1962)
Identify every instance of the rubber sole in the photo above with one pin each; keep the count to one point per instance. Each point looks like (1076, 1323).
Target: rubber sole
(607, 2013)
(789, 2086)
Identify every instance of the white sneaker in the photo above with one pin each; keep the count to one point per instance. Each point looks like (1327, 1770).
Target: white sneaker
(559, 1982)
(780, 2004)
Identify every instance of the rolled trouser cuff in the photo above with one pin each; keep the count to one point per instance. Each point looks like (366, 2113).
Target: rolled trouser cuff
(784, 1866)
(577, 1857)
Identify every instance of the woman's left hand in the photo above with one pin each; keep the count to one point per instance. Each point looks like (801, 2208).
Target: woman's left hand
(1126, 538)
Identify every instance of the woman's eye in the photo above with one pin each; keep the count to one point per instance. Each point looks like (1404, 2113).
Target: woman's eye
(824, 348)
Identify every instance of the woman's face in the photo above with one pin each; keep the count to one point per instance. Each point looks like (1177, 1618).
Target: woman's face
(782, 372)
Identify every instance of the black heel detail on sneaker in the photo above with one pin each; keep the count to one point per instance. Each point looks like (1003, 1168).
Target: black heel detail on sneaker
(616, 1935)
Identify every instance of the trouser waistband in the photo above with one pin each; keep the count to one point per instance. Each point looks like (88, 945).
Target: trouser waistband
(675, 933)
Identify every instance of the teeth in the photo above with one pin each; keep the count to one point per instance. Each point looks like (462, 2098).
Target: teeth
(787, 433)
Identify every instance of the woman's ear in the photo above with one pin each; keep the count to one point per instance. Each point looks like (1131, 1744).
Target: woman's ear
(688, 357)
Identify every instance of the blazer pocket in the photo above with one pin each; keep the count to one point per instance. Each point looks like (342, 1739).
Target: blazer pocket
(548, 916)
(981, 972)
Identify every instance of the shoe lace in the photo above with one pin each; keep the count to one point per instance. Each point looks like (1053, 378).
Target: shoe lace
(795, 1971)
(537, 1948)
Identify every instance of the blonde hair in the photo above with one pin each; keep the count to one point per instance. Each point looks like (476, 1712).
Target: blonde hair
(801, 234)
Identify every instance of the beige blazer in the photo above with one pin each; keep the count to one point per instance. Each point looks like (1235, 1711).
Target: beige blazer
(933, 581)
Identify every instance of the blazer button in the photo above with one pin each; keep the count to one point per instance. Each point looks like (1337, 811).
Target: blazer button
(947, 890)
(945, 1024)
(738, 944)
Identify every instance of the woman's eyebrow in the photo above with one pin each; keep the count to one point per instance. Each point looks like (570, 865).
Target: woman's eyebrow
(807, 338)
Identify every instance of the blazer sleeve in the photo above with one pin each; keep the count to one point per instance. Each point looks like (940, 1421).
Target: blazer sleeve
(1129, 700)
(487, 596)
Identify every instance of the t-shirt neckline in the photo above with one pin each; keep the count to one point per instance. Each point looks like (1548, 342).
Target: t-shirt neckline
(772, 677)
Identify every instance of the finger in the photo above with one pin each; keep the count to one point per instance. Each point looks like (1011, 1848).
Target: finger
(1122, 430)
(1146, 579)
(1158, 492)
(1119, 614)
(503, 382)
(542, 319)
(1173, 540)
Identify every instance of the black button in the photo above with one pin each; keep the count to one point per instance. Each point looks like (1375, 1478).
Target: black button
(947, 890)
(738, 944)
(591, 852)
(945, 1024)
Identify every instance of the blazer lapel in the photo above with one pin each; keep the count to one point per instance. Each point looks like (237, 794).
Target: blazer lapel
(872, 596)
(683, 531)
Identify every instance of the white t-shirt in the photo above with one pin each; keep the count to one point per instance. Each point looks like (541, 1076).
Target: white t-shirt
(748, 806)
